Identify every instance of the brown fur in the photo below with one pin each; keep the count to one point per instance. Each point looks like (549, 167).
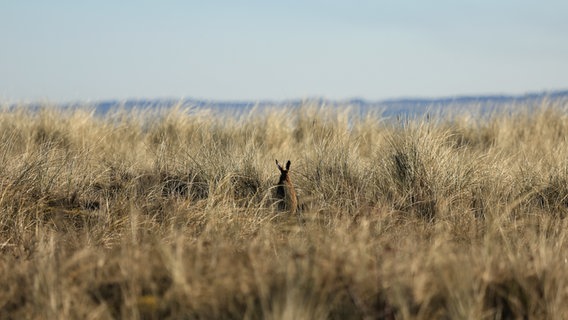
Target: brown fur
(285, 192)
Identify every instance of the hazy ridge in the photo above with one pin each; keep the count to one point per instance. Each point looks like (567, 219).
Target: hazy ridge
(388, 107)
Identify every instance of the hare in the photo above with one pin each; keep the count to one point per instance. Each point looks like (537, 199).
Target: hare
(285, 193)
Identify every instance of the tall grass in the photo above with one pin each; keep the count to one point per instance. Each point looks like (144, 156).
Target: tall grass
(151, 215)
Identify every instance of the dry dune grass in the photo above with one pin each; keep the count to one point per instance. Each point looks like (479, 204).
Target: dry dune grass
(172, 215)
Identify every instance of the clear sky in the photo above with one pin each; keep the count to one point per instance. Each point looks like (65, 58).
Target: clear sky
(68, 50)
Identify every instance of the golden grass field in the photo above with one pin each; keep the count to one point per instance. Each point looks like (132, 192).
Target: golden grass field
(172, 215)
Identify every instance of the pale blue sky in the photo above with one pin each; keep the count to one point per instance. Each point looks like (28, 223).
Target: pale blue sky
(253, 50)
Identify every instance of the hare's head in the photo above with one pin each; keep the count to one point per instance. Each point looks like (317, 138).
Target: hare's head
(283, 171)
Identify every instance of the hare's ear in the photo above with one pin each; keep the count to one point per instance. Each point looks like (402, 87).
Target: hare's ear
(279, 167)
(288, 165)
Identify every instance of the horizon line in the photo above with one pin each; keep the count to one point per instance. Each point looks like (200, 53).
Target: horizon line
(527, 94)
